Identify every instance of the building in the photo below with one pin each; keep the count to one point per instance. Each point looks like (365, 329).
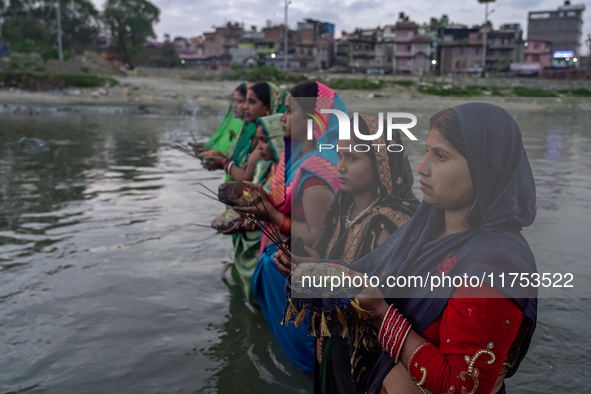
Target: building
(404, 31)
(313, 45)
(420, 54)
(537, 55)
(461, 49)
(503, 47)
(222, 39)
(562, 27)
(357, 50)
(196, 45)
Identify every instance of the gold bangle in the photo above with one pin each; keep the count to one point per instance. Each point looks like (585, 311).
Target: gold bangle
(415, 352)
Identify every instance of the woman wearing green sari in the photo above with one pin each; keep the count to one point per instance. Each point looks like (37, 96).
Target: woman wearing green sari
(262, 99)
(244, 163)
(247, 243)
(231, 126)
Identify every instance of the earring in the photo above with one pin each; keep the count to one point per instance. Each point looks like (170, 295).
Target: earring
(379, 191)
(268, 113)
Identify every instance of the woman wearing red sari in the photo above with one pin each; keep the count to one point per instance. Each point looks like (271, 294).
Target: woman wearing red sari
(479, 193)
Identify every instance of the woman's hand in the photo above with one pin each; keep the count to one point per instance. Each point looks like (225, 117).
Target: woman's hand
(232, 230)
(283, 262)
(371, 300)
(213, 162)
(264, 211)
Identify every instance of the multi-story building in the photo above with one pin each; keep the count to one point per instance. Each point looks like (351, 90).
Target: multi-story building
(503, 47)
(461, 49)
(357, 50)
(420, 54)
(405, 31)
(219, 42)
(562, 27)
(537, 55)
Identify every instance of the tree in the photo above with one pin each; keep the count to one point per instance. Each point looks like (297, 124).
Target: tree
(130, 23)
(37, 20)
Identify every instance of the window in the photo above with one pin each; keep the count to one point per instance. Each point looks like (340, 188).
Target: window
(536, 46)
(461, 51)
(477, 51)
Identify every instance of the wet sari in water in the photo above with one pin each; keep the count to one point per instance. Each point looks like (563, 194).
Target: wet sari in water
(247, 243)
(288, 179)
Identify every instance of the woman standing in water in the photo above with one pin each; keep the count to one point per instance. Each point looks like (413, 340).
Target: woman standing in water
(304, 184)
(247, 243)
(262, 99)
(375, 199)
(479, 193)
(232, 124)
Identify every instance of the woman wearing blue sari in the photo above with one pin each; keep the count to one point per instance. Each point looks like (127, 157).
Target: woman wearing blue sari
(304, 184)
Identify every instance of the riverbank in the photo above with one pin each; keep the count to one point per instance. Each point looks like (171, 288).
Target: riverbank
(178, 95)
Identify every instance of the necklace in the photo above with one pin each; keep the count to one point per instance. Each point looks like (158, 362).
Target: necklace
(349, 223)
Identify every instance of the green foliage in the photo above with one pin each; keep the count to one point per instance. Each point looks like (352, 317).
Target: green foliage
(25, 61)
(262, 74)
(37, 20)
(361, 84)
(448, 90)
(404, 83)
(226, 56)
(576, 93)
(26, 35)
(130, 23)
(46, 81)
(533, 92)
(169, 56)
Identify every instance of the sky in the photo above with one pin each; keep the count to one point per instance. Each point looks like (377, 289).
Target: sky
(190, 18)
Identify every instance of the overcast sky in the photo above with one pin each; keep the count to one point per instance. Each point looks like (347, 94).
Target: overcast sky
(191, 18)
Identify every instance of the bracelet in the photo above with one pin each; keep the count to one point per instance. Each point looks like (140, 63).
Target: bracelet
(226, 162)
(393, 332)
(285, 227)
(422, 345)
(229, 168)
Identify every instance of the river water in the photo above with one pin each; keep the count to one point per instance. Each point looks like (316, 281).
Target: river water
(109, 284)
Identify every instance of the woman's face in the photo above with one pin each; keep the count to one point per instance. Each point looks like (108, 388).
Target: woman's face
(264, 147)
(253, 107)
(355, 170)
(445, 177)
(238, 105)
(286, 118)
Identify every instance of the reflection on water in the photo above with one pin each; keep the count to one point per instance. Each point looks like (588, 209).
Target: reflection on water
(107, 284)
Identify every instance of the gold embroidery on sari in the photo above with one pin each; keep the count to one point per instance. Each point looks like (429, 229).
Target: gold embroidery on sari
(472, 372)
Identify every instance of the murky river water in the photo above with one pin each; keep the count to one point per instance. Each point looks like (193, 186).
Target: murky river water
(107, 284)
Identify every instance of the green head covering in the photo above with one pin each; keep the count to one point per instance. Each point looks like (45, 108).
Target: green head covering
(274, 132)
(277, 98)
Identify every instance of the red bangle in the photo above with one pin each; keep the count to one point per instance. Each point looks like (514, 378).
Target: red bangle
(226, 162)
(285, 227)
(393, 332)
